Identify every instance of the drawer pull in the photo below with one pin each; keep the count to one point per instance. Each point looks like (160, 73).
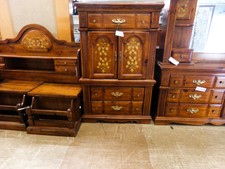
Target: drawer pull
(116, 94)
(65, 63)
(175, 81)
(195, 96)
(192, 110)
(94, 21)
(173, 96)
(116, 108)
(199, 82)
(118, 21)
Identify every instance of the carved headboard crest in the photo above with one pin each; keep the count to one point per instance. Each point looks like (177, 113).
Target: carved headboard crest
(35, 41)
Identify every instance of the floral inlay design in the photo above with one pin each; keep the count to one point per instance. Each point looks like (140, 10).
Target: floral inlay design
(102, 49)
(183, 9)
(35, 41)
(131, 49)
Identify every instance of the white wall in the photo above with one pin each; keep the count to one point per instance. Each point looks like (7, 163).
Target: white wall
(25, 12)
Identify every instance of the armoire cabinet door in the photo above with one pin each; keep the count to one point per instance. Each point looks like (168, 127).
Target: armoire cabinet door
(133, 55)
(102, 55)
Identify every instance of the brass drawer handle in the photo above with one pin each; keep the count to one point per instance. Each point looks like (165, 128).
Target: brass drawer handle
(118, 21)
(116, 94)
(195, 96)
(199, 82)
(116, 108)
(192, 110)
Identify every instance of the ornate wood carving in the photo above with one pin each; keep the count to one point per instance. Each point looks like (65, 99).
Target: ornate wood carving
(36, 41)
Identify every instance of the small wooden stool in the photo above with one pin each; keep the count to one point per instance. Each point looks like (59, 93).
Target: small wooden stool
(55, 109)
(13, 101)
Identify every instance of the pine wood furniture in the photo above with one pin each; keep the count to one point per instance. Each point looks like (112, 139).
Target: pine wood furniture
(39, 79)
(118, 70)
(179, 97)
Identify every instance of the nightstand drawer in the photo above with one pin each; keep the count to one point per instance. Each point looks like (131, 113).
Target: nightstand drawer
(117, 93)
(192, 110)
(121, 107)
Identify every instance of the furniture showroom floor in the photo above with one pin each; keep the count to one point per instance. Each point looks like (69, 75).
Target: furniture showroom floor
(117, 146)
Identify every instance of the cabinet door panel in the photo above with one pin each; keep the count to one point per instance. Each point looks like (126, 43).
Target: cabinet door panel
(102, 54)
(133, 55)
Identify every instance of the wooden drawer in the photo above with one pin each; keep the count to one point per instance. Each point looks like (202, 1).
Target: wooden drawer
(117, 93)
(114, 21)
(95, 20)
(214, 111)
(71, 62)
(203, 81)
(217, 97)
(97, 107)
(173, 95)
(96, 93)
(182, 55)
(116, 108)
(220, 82)
(66, 69)
(138, 94)
(176, 81)
(171, 110)
(192, 96)
(137, 108)
(192, 110)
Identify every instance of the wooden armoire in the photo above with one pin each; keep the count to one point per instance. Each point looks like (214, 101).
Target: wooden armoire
(118, 46)
(191, 92)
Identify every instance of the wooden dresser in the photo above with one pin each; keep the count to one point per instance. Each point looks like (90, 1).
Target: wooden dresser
(191, 92)
(39, 89)
(118, 44)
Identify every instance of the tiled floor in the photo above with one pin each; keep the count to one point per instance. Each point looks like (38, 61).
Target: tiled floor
(117, 146)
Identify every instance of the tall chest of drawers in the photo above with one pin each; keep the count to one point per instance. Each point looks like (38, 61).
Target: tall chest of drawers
(191, 94)
(118, 43)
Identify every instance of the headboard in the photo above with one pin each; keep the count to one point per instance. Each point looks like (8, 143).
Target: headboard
(34, 54)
